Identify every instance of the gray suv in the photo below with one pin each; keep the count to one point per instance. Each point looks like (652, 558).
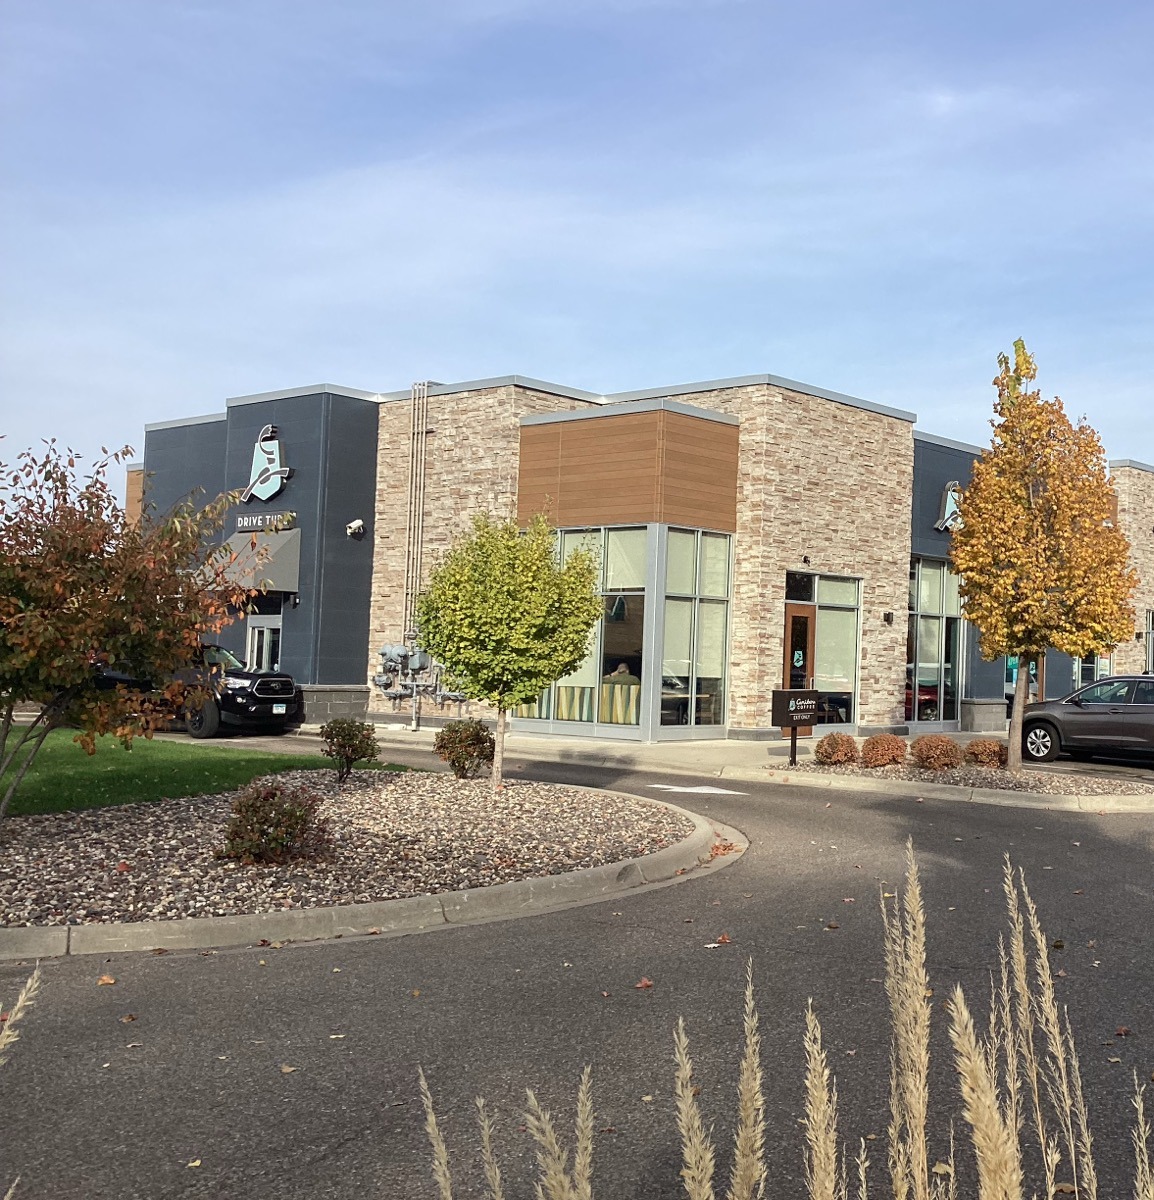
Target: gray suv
(1114, 715)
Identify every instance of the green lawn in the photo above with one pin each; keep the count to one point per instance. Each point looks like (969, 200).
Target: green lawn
(63, 777)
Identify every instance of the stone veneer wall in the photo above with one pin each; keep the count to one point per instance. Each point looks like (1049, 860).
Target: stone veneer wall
(471, 468)
(1135, 488)
(832, 483)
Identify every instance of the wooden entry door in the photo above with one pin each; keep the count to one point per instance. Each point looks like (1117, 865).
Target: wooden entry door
(797, 667)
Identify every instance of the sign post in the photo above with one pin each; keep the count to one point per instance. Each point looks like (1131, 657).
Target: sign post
(791, 709)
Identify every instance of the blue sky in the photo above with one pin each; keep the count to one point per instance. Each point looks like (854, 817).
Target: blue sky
(206, 198)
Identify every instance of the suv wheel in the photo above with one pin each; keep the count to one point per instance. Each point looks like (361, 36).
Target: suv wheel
(203, 721)
(1040, 743)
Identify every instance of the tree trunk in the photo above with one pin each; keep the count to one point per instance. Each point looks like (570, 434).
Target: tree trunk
(499, 750)
(1021, 698)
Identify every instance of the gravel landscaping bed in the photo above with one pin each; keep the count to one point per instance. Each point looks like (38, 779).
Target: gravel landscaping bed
(395, 835)
(988, 777)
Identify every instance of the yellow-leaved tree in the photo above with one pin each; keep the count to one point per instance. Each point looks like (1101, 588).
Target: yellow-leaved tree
(1043, 564)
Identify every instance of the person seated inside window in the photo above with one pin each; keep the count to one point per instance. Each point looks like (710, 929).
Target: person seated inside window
(621, 674)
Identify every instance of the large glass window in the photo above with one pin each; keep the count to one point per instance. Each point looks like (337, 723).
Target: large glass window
(695, 628)
(691, 635)
(933, 643)
(623, 633)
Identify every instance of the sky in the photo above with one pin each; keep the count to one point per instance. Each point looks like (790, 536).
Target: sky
(209, 198)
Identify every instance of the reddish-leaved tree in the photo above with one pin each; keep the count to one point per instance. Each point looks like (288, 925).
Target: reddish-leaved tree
(82, 587)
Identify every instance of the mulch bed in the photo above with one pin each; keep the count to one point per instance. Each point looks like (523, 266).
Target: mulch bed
(394, 835)
(1044, 782)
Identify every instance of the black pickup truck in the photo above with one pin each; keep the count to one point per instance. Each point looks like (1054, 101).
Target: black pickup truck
(239, 698)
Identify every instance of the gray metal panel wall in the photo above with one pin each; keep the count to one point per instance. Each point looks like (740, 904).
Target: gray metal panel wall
(183, 461)
(346, 563)
(330, 441)
(935, 467)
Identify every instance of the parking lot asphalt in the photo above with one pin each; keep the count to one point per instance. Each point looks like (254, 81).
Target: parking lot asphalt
(97, 1106)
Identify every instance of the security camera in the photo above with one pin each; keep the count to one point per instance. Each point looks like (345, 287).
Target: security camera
(355, 527)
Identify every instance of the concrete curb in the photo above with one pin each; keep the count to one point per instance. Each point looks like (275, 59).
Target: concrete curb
(414, 914)
(996, 797)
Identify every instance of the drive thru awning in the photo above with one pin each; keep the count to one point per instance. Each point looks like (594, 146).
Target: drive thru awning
(270, 561)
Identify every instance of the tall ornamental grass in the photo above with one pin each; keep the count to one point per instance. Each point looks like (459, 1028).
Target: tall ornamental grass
(1022, 1108)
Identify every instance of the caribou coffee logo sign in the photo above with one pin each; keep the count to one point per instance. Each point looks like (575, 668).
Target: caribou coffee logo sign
(950, 515)
(268, 475)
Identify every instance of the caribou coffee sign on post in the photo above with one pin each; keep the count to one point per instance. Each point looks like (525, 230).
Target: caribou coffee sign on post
(269, 474)
(794, 708)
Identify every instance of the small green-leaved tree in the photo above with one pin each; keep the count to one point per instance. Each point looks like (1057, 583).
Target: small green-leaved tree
(506, 617)
(1042, 562)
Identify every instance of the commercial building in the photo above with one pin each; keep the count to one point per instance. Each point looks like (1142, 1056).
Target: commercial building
(753, 533)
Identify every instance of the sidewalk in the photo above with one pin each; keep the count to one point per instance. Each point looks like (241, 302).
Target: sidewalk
(765, 762)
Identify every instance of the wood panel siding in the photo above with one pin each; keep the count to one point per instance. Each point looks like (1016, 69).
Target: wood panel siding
(628, 468)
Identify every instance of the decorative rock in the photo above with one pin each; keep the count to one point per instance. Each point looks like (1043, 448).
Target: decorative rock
(394, 835)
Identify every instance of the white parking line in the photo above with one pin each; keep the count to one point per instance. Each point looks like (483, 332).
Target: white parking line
(703, 790)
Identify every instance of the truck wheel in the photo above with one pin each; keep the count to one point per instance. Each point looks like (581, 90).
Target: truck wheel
(203, 721)
(1040, 743)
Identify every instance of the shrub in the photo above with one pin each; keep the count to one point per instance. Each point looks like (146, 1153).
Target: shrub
(883, 750)
(936, 752)
(273, 821)
(466, 746)
(835, 750)
(986, 752)
(349, 742)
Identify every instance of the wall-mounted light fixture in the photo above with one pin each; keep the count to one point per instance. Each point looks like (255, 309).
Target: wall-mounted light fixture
(888, 617)
(805, 559)
(1138, 635)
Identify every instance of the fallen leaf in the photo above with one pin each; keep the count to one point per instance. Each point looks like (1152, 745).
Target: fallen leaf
(222, 1058)
(605, 994)
(122, 867)
(1065, 1189)
(134, 1045)
(941, 1168)
(688, 920)
(336, 970)
(1092, 945)
(608, 1129)
(646, 1099)
(158, 950)
(1122, 1031)
(415, 993)
(126, 1018)
(1079, 891)
(105, 981)
(193, 1163)
(285, 1069)
(833, 925)
(1113, 1060)
(850, 1053)
(871, 1137)
(724, 939)
(1059, 944)
(372, 931)
(1061, 972)
(644, 983)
